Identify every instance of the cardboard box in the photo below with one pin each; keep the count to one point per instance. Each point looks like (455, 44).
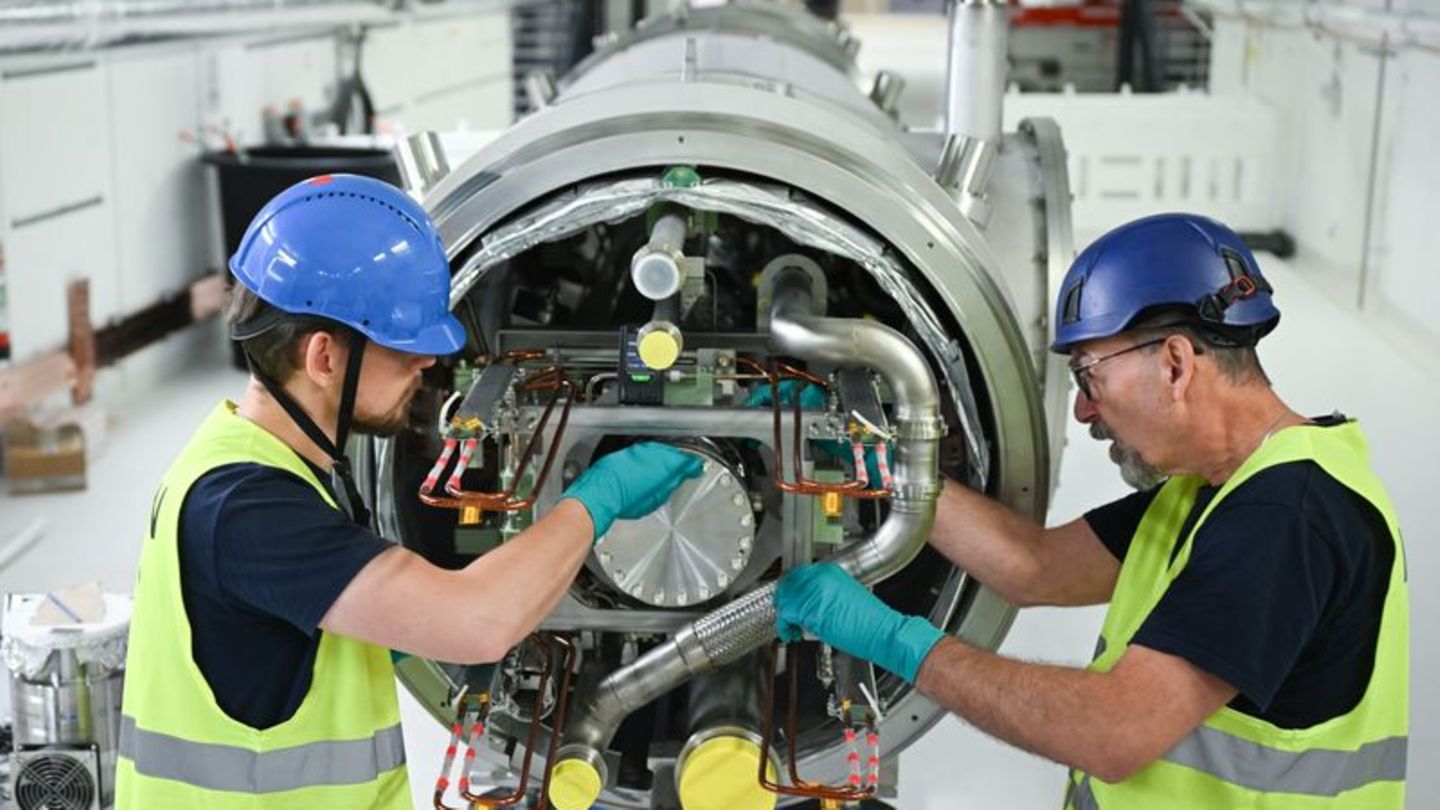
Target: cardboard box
(44, 459)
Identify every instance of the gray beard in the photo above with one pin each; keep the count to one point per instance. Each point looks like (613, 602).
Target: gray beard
(1134, 471)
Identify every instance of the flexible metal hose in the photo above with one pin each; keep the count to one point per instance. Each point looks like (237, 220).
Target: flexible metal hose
(746, 624)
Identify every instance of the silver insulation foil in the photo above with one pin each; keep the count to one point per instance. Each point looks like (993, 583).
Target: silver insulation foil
(803, 220)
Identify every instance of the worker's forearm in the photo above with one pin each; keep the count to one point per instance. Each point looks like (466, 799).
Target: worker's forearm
(1059, 713)
(523, 580)
(987, 539)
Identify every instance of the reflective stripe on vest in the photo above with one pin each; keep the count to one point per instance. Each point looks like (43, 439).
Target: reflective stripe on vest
(1356, 761)
(1316, 772)
(179, 750)
(225, 767)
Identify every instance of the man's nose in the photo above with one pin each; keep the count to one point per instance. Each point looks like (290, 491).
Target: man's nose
(1085, 411)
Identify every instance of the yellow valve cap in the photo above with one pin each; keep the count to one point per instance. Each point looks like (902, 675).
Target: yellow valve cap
(722, 773)
(574, 785)
(658, 349)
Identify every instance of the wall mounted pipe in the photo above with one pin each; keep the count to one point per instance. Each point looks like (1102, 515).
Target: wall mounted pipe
(33, 25)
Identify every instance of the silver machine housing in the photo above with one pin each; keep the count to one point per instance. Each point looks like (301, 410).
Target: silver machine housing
(964, 231)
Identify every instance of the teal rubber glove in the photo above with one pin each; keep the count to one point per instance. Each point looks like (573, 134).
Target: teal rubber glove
(631, 483)
(828, 603)
(812, 397)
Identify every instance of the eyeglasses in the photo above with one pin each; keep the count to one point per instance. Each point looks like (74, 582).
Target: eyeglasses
(1082, 373)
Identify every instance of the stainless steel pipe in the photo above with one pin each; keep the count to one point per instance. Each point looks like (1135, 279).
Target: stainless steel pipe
(728, 634)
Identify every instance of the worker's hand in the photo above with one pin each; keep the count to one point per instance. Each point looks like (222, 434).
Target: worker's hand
(631, 483)
(812, 396)
(828, 603)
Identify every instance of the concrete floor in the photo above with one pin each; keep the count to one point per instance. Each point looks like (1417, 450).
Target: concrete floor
(1322, 358)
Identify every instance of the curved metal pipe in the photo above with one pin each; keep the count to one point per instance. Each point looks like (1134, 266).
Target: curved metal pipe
(729, 633)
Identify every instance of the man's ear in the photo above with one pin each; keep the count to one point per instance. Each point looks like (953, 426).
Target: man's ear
(1178, 355)
(322, 358)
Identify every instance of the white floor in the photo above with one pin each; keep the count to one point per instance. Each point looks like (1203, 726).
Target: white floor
(1322, 359)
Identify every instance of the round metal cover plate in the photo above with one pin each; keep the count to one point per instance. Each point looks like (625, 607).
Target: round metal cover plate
(690, 549)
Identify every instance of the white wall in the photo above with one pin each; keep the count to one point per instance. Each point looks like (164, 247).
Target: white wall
(99, 176)
(1355, 86)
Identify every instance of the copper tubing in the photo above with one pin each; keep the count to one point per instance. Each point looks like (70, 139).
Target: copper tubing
(854, 488)
(797, 786)
(551, 379)
(557, 719)
(533, 738)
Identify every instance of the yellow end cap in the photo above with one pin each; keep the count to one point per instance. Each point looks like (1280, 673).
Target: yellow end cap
(659, 350)
(574, 785)
(722, 773)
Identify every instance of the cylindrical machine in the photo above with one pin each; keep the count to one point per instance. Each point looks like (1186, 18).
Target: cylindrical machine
(820, 241)
(67, 681)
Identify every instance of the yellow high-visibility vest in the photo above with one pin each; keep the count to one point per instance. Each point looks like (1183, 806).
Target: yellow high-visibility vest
(1233, 760)
(179, 750)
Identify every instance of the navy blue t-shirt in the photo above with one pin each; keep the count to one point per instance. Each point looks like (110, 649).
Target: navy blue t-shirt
(1283, 593)
(262, 559)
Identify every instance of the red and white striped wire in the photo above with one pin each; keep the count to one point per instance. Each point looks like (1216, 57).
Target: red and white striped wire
(862, 470)
(853, 755)
(443, 781)
(873, 738)
(467, 451)
(882, 465)
(477, 730)
(433, 477)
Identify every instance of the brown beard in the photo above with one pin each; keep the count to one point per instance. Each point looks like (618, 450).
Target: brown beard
(391, 423)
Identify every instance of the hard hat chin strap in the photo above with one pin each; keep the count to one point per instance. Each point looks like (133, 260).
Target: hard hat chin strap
(340, 470)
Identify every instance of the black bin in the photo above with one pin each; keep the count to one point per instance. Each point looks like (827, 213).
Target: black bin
(248, 180)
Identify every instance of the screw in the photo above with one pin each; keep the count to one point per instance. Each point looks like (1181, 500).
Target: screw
(738, 499)
(746, 519)
(725, 479)
(722, 580)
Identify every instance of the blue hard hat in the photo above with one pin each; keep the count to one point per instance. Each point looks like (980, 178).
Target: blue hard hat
(357, 251)
(1182, 262)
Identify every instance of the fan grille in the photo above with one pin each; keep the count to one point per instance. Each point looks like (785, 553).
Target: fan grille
(54, 782)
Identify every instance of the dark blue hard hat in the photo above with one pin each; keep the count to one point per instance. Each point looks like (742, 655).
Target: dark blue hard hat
(357, 251)
(1181, 262)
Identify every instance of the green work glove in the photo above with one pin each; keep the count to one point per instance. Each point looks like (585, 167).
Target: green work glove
(631, 483)
(828, 603)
